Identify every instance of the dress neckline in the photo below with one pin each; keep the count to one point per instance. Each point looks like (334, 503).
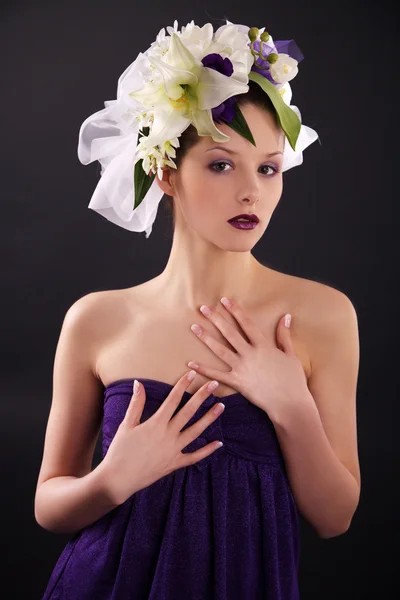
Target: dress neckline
(126, 380)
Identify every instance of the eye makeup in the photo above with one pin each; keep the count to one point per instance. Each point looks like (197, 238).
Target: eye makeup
(211, 166)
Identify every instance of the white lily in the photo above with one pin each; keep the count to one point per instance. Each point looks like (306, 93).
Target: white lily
(229, 40)
(165, 89)
(184, 92)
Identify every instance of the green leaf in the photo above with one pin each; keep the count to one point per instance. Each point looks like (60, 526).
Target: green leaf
(146, 131)
(142, 183)
(239, 124)
(288, 119)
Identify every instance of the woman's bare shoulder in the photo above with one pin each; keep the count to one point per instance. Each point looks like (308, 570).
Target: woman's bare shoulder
(314, 306)
(104, 312)
(93, 305)
(308, 291)
(100, 313)
(318, 309)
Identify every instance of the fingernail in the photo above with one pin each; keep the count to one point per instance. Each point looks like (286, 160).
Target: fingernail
(219, 408)
(288, 319)
(136, 387)
(226, 302)
(191, 375)
(193, 364)
(212, 385)
(205, 310)
(196, 328)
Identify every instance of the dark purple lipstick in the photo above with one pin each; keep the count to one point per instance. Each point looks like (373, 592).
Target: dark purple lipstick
(244, 221)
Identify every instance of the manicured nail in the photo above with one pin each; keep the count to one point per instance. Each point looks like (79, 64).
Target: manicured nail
(219, 408)
(212, 385)
(196, 328)
(226, 302)
(191, 375)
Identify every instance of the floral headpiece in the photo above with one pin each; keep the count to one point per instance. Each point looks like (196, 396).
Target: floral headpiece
(187, 77)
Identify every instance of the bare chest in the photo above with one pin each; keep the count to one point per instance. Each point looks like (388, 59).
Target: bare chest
(150, 343)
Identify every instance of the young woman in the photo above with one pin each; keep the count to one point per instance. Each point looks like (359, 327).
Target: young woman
(167, 514)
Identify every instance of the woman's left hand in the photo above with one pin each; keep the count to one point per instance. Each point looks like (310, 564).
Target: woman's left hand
(270, 377)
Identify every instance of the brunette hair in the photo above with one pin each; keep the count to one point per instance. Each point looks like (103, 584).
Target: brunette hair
(189, 138)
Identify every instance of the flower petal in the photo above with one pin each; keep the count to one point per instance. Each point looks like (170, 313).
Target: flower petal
(180, 55)
(174, 78)
(167, 124)
(203, 121)
(214, 88)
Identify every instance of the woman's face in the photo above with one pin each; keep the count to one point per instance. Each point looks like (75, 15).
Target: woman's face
(213, 185)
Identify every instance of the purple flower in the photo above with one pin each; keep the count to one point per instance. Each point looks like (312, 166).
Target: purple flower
(216, 62)
(225, 111)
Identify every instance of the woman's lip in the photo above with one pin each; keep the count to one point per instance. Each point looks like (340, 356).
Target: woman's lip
(244, 221)
(249, 225)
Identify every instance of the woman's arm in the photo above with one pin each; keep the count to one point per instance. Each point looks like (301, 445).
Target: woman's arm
(69, 495)
(326, 493)
(319, 441)
(67, 504)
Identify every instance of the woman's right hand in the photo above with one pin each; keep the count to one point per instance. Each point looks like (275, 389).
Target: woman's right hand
(142, 453)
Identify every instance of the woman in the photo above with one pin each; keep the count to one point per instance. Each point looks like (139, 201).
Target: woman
(166, 514)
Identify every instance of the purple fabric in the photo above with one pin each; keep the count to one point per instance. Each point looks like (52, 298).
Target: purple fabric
(282, 47)
(289, 47)
(224, 528)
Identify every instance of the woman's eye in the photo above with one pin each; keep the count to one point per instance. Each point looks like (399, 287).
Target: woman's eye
(223, 162)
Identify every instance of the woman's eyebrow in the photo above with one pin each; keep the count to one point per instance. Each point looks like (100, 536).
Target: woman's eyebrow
(233, 151)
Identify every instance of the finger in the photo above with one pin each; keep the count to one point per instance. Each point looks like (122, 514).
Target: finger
(172, 401)
(191, 433)
(285, 337)
(224, 353)
(181, 419)
(233, 336)
(225, 377)
(246, 323)
(136, 405)
(190, 458)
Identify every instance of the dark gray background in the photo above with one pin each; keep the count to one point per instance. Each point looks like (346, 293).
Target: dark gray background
(334, 223)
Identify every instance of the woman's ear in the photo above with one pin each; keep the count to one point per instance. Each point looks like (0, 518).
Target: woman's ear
(165, 183)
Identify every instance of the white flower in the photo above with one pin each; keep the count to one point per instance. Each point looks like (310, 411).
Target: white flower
(284, 69)
(155, 158)
(154, 161)
(164, 90)
(179, 90)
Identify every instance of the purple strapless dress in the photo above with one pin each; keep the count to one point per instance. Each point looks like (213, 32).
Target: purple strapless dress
(225, 528)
